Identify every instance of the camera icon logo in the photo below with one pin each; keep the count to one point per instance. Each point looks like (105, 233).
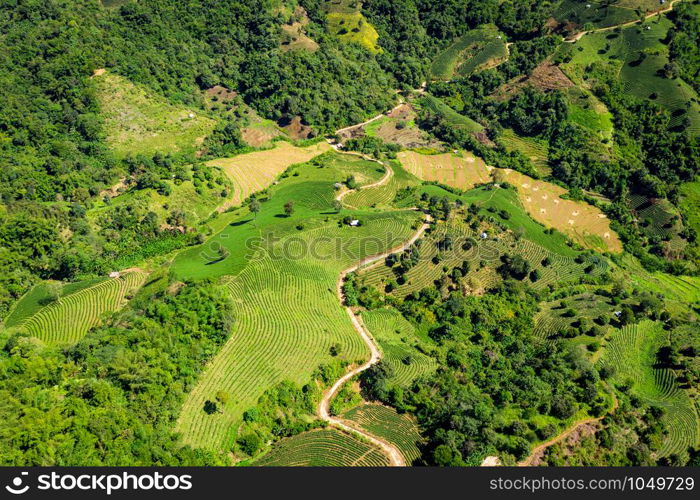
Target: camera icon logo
(16, 488)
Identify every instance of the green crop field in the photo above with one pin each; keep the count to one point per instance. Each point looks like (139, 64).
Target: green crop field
(601, 14)
(690, 203)
(347, 23)
(536, 150)
(323, 448)
(637, 55)
(400, 345)
(138, 121)
(280, 276)
(631, 353)
(382, 196)
(70, 317)
(384, 422)
(438, 107)
(475, 50)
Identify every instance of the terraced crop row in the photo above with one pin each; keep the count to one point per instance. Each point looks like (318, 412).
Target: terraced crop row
(398, 341)
(381, 196)
(632, 354)
(287, 317)
(473, 50)
(323, 448)
(386, 423)
(563, 269)
(551, 319)
(70, 317)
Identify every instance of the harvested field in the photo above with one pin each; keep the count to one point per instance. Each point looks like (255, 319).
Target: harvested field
(255, 171)
(584, 223)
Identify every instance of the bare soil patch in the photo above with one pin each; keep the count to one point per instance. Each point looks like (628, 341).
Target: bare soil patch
(297, 130)
(546, 76)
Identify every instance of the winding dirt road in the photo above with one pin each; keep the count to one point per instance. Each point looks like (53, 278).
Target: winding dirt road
(396, 459)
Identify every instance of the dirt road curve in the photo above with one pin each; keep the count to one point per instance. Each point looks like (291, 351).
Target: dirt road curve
(396, 459)
(385, 178)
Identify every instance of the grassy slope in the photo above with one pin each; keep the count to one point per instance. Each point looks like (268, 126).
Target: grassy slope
(137, 121)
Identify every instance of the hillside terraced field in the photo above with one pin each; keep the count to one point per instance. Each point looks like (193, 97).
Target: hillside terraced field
(632, 353)
(399, 344)
(255, 171)
(70, 317)
(584, 223)
(483, 255)
(323, 448)
(384, 422)
(637, 55)
(478, 49)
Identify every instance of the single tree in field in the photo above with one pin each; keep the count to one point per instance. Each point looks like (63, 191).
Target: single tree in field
(210, 407)
(53, 293)
(254, 207)
(223, 253)
(289, 208)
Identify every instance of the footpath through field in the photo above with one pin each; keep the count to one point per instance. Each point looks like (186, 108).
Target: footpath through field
(396, 459)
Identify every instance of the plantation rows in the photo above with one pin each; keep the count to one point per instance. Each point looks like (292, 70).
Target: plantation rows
(381, 196)
(438, 107)
(472, 50)
(563, 269)
(551, 319)
(384, 422)
(492, 53)
(70, 317)
(323, 448)
(396, 338)
(287, 317)
(632, 354)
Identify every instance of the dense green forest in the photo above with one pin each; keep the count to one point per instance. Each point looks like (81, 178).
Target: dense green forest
(74, 208)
